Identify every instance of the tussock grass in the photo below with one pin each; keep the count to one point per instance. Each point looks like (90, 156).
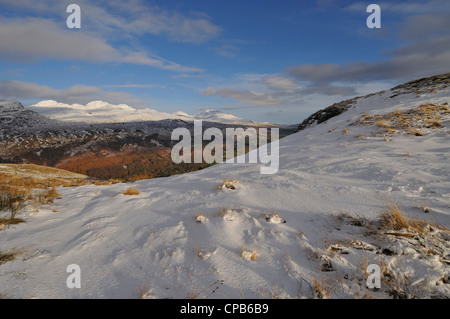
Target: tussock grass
(273, 217)
(46, 197)
(5, 222)
(212, 289)
(389, 241)
(23, 178)
(131, 191)
(416, 132)
(322, 288)
(391, 130)
(410, 121)
(249, 254)
(24, 184)
(8, 256)
(223, 212)
(10, 200)
(394, 219)
(229, 184)
(12, 203)
(143, 291)
(434, 123)
(382, 123)
(200, 217)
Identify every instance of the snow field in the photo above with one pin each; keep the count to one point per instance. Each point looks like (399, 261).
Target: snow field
(329, 193)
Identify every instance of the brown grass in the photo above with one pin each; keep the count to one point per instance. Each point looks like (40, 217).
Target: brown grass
(249, 254)
(229, 184)
(8, 256)
(322, 288)
(433, 123)
(381, 123)
(199, 217)
(416, 132)
(394, 219)
(131, 191)
(23, 178)
(409, 121)
(6, 221)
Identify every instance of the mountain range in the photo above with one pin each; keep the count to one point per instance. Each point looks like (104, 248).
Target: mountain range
(99, 139)
(104, 112)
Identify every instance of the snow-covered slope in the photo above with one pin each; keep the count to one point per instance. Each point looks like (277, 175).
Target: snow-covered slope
(183, 237)
(103, 112)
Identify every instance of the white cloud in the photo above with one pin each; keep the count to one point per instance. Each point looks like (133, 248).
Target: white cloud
(28, 39)
(31, 39)
(20, 90)
(280, 83)
(250, 97)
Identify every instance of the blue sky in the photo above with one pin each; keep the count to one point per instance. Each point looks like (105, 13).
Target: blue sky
(275, 61)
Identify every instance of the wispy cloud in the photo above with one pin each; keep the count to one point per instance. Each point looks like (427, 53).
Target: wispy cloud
(226, 50)
(140, 86)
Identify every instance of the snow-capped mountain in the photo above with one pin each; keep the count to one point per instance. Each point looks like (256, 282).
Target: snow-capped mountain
(217, 116)
(309, 231)
(104, 112)
(97, 112)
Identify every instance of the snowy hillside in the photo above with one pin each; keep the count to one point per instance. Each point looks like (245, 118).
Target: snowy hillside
(310, 230)
(103, 112)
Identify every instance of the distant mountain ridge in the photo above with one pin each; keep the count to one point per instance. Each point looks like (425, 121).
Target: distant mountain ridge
(104, 112)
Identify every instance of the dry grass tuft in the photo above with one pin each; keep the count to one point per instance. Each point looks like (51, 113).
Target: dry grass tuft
(434, 123)
(199, 217)
(382, 123)
(249, 254)
(5, 222)
(322, 288)
(229, 184)
(394, 219)
(8, 256)
(409, 121)
(211, 289)
(416, 132)
(13, 203)
(131, 191)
